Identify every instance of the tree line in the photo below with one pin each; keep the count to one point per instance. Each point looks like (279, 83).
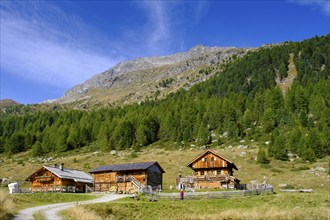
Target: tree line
(240, 102)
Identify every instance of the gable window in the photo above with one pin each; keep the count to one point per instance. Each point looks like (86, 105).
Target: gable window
(204, 159)
(213, 159)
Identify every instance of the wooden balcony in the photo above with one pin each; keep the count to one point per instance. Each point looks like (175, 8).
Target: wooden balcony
(211, 178)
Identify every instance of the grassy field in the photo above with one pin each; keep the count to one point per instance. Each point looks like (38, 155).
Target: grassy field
(174, 157)
(275, 206)
(297, 174)
(11, 204)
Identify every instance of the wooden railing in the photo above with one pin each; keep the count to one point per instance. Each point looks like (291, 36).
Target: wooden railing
(137, 183)
(132, 179)
(212, 194)
(193, 179)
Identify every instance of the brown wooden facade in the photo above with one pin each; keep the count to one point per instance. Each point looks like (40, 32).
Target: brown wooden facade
(212, 171)
(51, 179)
(127, 177)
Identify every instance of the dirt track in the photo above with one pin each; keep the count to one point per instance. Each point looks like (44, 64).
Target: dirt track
(51, 211)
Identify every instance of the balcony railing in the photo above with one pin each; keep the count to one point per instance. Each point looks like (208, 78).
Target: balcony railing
(194, 179)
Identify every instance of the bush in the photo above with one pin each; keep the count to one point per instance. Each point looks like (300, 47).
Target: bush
(87, 165)
(262, 157)
(304, 167)
(134, 154)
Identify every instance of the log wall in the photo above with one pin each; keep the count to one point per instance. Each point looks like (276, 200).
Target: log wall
(209, 161)
(107, 182)
(46, 181)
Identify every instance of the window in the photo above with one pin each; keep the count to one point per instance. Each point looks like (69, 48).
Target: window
(213, 159)
(205, 159)
(202, 172)
(218, 172)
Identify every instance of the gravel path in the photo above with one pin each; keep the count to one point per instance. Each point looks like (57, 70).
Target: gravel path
(51, 211)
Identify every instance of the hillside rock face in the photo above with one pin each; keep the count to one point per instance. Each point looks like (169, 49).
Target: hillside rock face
(8, 102)
(139, 79)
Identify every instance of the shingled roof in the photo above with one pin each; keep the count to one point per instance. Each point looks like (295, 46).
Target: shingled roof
(126, 166)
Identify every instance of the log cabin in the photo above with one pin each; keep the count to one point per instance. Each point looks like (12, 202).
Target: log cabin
(127, 178)
(59, 179)
(211, 171)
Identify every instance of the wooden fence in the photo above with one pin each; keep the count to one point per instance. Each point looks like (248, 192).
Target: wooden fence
(210, 195)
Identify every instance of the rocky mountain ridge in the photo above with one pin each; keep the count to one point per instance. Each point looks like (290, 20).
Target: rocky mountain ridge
(8, 102)
(142, 78)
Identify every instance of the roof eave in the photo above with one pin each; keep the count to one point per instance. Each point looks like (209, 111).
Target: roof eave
(211, 151)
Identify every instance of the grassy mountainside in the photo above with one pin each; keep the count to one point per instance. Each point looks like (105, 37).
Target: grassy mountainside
(174, 157)
(243, 102)
(296, 173)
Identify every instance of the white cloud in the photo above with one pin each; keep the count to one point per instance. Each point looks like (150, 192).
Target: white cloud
(167, 24)
(41, 43)
(157, 32)
(323, 5)
(201, 9)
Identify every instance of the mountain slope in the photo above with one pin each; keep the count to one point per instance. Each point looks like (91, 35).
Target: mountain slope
(242, 103)
(136, 80)
(7, 102)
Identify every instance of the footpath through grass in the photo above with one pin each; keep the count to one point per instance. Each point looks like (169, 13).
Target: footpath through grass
(275, 206)
(11, 204)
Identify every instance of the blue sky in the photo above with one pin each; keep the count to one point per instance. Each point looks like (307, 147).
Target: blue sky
(47, 47)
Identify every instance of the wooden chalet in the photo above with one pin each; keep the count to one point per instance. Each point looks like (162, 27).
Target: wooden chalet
(128, 177)
(211, 171)
(59, 179)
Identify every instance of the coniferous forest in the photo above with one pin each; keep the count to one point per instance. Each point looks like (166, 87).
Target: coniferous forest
(243, 101)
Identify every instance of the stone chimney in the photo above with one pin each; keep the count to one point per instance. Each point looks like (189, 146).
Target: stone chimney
(55, 165)
(62, 166)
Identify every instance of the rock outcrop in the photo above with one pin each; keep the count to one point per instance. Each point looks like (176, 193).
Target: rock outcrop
(135, 80)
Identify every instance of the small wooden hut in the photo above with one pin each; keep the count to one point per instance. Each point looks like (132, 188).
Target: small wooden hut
(128, 177)
(211, 170)
(58, 178)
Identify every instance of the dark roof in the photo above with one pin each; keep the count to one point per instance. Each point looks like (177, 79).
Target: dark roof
(126, 166)
(211, 151)
(76, 175)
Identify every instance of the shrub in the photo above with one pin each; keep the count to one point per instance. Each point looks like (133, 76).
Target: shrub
(87, 165)
(262, 157)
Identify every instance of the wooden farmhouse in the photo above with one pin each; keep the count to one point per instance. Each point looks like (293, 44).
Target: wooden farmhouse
(211, 171)
(128, 177)
(59, 179)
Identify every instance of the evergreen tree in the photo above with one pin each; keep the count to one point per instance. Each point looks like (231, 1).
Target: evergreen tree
(262, 157)
(247, 119)
(204, 135)
(37, 149)
(283, 71)
(295, 139)
(73, 139)
(15, 144)
(277, 148)
(268, 120)
(141, 136)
